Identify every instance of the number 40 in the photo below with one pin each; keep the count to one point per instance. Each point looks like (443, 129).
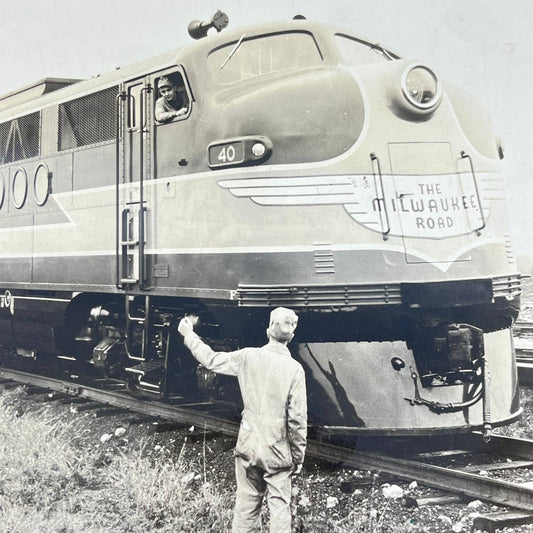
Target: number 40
(227, 153)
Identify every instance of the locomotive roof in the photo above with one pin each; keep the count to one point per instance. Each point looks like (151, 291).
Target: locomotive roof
(80, 88)
(228, 36)
(51, 91)
(34, 90)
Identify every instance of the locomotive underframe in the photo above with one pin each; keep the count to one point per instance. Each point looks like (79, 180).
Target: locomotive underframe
(434, 355)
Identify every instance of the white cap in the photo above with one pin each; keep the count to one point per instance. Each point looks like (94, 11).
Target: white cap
(164, 81)
(283, 322)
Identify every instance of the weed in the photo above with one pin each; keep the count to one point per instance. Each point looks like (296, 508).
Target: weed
(51, 482)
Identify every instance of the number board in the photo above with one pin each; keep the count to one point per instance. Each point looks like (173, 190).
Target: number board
(226, 154)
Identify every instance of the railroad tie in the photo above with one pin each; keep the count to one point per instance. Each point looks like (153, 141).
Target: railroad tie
(110, 411)
(433, 500)
(493, 521)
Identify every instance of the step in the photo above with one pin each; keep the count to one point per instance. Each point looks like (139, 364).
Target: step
(147, 367)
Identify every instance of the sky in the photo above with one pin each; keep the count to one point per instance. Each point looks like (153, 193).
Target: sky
(483, 46)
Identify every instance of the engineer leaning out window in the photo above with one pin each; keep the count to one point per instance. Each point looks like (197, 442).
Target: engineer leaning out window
(170, 105)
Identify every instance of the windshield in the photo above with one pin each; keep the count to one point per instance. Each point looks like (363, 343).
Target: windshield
(355, 52)
(247, 58)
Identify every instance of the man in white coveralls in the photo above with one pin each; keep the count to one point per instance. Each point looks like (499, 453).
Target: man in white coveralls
(273, 432)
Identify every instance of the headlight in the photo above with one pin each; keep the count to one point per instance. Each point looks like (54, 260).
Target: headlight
(421, 87)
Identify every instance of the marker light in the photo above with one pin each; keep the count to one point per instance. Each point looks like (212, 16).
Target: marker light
(258, 149)
(421, 87)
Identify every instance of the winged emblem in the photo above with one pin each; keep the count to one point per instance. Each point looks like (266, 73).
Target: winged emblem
(436, 205)
(354, 192)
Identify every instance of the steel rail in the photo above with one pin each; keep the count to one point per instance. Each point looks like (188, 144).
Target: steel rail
(522, 448)
(464, 483)
(499, 444)
(467, 484)
(126, 401)
(524, 353)
(522, 326)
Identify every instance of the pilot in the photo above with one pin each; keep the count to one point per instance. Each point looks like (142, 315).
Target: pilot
(273, 431)
(170, 104)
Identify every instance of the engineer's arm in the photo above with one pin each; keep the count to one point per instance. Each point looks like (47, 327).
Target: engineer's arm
(163, 116)
(220, 362)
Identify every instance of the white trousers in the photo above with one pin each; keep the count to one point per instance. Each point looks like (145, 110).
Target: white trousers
(253, 484)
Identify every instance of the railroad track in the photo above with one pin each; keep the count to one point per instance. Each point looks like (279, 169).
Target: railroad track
(523, 334)
(214, 418)
(524, 364)
(523, 327)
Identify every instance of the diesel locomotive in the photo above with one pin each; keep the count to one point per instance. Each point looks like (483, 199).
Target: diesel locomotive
(313, 169)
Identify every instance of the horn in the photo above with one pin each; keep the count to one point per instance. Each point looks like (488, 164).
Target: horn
(198, 30)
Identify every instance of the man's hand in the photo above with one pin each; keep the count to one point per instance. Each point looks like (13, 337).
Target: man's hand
(181, 112)
(186, 325)
(296, 469)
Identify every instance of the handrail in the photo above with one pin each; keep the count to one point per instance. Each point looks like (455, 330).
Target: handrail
(143, 121)
(385, 234)
(141, 189)
(118, 103)
(464, 155)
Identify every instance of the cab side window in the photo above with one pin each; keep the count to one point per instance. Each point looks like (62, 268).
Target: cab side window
(172, 100)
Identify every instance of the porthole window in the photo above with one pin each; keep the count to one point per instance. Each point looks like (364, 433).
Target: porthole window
(41, 184)
(2, 190)
(20, 187)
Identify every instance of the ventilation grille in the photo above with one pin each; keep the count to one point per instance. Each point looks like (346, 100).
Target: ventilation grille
(19, 138)
(507, 286)
(511, 259)
(324, 260)
(88, 120)
(335, 295)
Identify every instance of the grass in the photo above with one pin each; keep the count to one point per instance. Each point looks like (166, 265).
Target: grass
(56, 476)
(53, 478)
